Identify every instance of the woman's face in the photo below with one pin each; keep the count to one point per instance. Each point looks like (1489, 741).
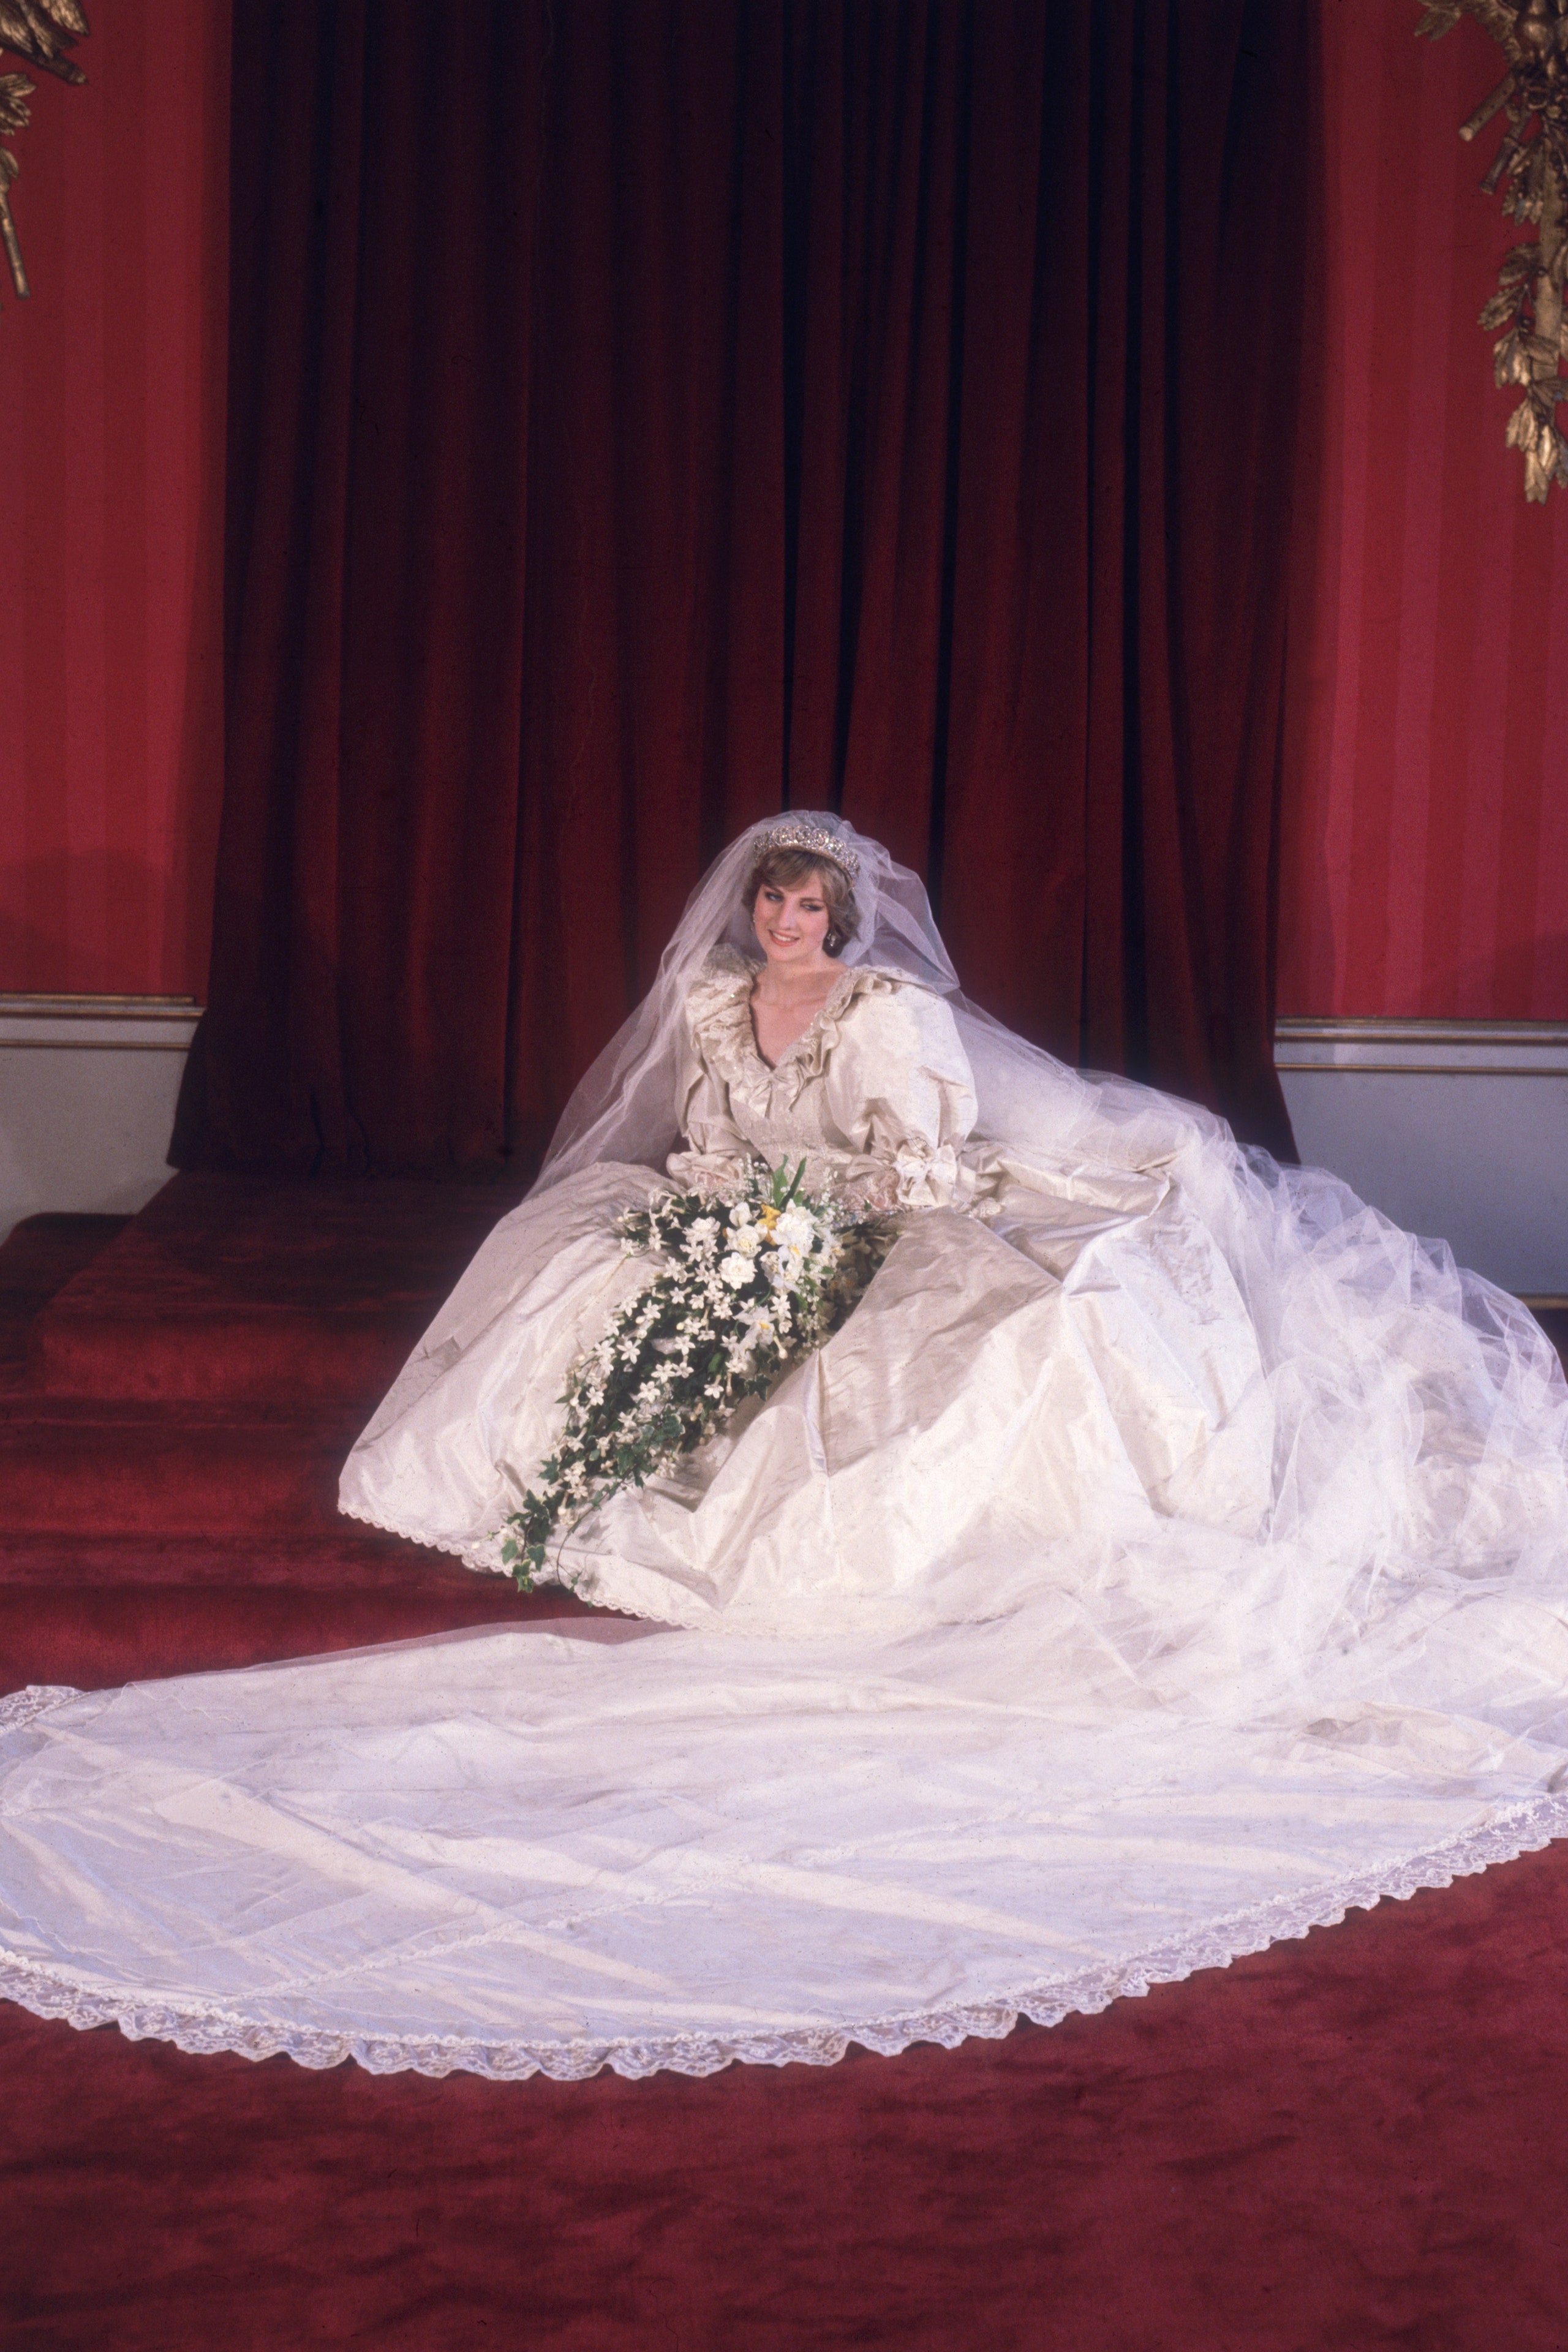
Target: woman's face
(791, 923)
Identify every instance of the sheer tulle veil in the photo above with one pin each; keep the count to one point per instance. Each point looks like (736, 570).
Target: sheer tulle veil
(1029, 1101)
(1369, 1338)
(1168, 1555)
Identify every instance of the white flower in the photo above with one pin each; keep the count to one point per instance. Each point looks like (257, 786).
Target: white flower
(795, 1230)
(711, 1334)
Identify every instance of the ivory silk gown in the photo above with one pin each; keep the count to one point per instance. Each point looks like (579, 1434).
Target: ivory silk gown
(1165, 1554)
(1047, 1352)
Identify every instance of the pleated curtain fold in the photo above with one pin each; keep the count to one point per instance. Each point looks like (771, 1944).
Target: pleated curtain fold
(647, 416)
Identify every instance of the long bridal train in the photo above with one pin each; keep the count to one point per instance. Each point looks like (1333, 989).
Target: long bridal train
(505, 1851)
(1167, 1553)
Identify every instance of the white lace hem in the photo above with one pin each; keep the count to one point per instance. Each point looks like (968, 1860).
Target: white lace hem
(481, 1566)
(693, 1620)
(593, 1582)
(203, 2029)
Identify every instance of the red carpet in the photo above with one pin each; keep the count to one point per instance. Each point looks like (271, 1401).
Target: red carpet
(36, 1264)
(1351, 2142)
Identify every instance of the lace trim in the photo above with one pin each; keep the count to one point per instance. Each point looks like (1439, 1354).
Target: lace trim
(592, 1571)
(203, 2029)
(37, 1698)
(720, 1014)
(481, 1566)
(591, 1577)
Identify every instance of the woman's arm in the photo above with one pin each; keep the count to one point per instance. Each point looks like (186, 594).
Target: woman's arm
(719, 1154)
(900, 1092)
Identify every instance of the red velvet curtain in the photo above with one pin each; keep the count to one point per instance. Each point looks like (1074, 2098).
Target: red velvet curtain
(647, 413)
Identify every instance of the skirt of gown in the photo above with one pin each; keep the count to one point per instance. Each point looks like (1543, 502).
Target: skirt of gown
(1143, 1575)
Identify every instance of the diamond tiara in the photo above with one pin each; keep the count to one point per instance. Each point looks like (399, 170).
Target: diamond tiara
(795, 833)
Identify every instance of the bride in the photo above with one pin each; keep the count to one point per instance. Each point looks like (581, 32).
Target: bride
(1166, 1553)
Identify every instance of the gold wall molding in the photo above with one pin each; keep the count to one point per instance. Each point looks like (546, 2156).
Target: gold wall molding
(97, 1024)
(1477, 1049)
(1444, 1125)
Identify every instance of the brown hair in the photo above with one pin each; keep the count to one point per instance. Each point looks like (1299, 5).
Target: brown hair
(785, 869)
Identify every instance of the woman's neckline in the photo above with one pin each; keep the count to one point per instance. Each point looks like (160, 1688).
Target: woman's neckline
(754, 973)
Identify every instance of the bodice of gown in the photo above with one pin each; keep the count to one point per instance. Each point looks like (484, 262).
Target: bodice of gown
(1087, 1353)
(875, 1095)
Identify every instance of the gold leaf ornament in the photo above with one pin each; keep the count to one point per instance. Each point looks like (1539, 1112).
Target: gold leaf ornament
(41, 32)
(1530, 166)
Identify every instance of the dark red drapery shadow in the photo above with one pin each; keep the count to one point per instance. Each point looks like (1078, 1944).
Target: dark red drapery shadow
(645, 417)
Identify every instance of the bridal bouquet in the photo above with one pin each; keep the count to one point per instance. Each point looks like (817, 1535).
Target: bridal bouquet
(751, 1284)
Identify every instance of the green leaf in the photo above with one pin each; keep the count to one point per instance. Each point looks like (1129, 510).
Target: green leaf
(656, 1403)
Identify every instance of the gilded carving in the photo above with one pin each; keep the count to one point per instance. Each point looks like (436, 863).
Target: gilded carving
(1532, 167)
(41, 31)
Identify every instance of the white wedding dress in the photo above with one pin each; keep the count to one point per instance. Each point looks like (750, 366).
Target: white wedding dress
(1167, 1553)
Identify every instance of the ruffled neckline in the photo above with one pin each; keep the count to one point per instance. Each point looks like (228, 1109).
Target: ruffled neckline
(719, 1008)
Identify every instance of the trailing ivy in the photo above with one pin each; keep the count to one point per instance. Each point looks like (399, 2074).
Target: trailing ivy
(749, 1287)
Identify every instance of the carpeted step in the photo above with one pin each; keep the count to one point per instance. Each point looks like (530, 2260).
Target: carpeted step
(38, 1258)
(241, 1354)
(94, 1636)
(230, 1289)
(80, 1467)
(95, 1610)
(348, 1558)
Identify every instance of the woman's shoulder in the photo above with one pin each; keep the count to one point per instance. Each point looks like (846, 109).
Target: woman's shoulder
(880, 993)
(898, 1011)
(717, 1001)
(725, 967)
(878, 1012)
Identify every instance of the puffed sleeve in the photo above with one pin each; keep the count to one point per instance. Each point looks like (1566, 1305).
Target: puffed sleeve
(900, 1092)
(719, 1154)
